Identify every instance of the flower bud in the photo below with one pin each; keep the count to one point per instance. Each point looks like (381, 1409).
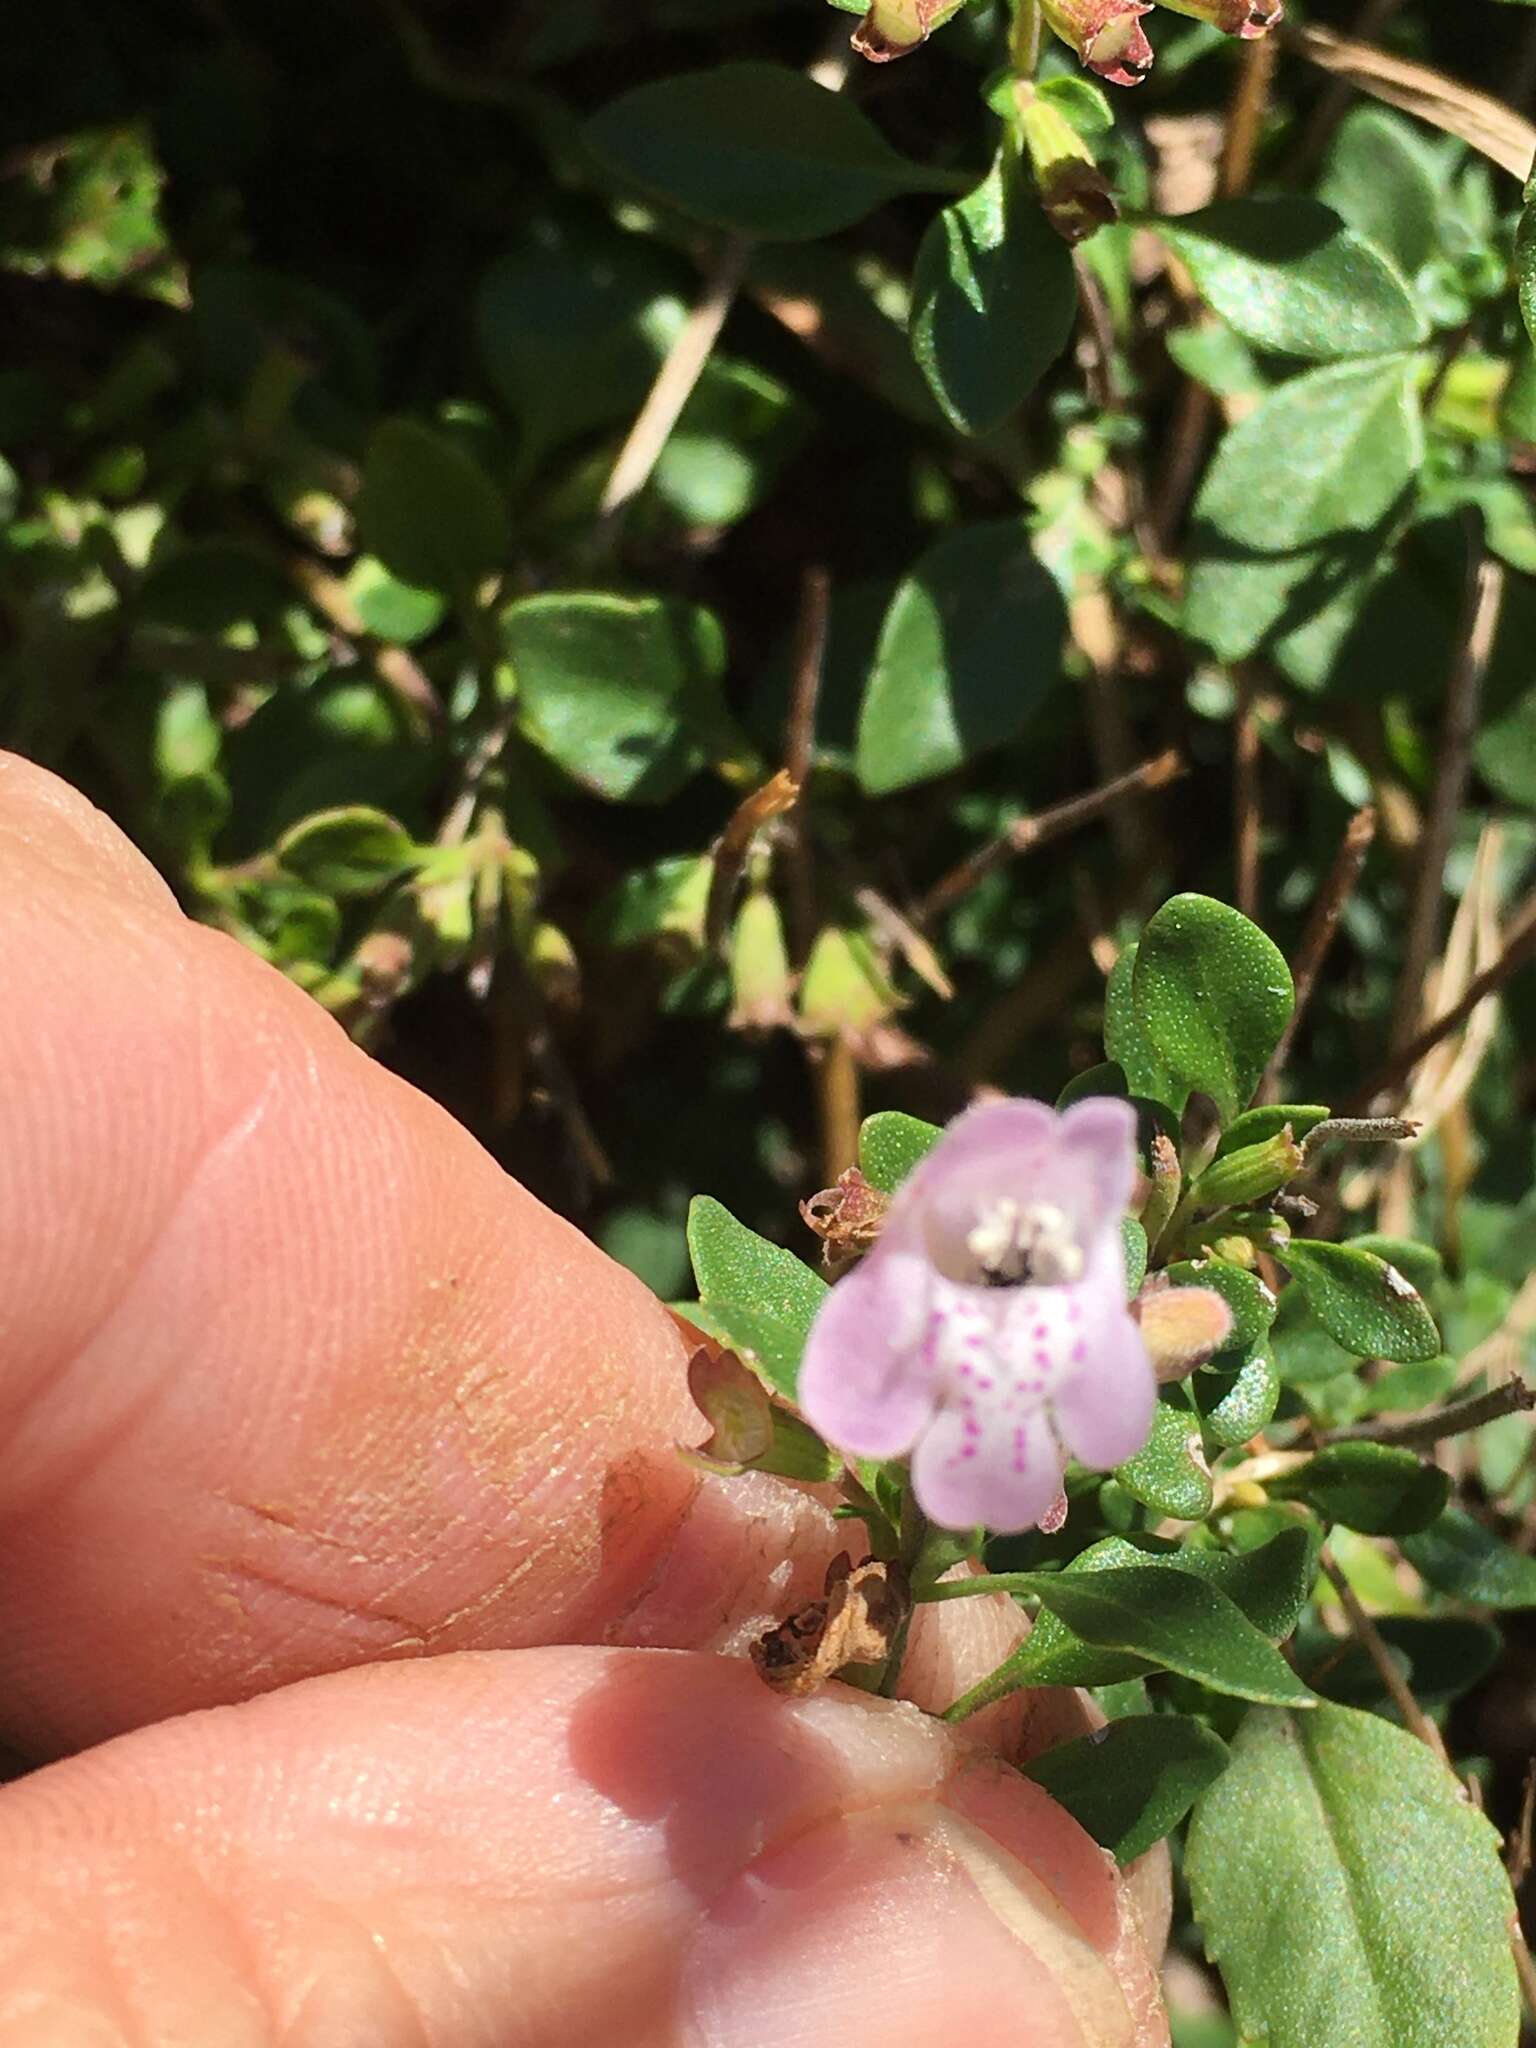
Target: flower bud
(895, 28)
(1250, 1173)
(1245, 18)
(1106, 34)
(1073, 190)
(760, 972)
(1182, 1327)
(845, 992)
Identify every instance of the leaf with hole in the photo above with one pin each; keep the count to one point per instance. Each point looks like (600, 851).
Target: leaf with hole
(1362, 1301)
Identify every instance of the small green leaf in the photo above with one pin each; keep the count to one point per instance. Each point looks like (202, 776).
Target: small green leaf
(1169, 1473)
(1457, 1555)
(1380, 180)
(1132, 1782)
(1420, 1263)
(1271, 1584)
(1364, 1303)
(1237, 1405)
(761, 1295)
(429, 511)
(352, 851)
(1174, 1620)
(969, 651)
(994, 297)
(1349, 1894)
(389, 608)
(1128, 1044)
(1288, 275)
(1378, 1489)
(754, 147)
(891, 1144)
(1442, 1658)
(1255, 1125)
(1324, 455)
(1212, 994)
(622, 692)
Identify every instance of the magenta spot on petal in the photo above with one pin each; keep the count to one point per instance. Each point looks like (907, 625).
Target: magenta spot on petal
(1075, 1311)
(984, 1383)
(1079, 1353)
(1042, 1357)
(967, 1450)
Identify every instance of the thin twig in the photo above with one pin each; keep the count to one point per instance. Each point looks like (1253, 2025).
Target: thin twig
(1245, 116)
(1245, 801)
(1519, 947)
(1368, 1636)
(1327, 909)
(907, 940)
(679, 372)
(799, 751)
(1421, 1431)
(1025, 834)
(837, 1099)
(1518, 1861)
(776, 796)
(1485, 597)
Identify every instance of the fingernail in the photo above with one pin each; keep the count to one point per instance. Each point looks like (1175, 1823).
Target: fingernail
(904, 1925)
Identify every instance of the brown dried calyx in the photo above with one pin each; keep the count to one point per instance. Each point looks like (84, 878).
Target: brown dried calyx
(847, 1218)
(858, 1622)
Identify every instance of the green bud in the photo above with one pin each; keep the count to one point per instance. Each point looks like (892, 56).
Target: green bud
(761, 980)
(845, 992)
(1073, 190)
(1250, 1173)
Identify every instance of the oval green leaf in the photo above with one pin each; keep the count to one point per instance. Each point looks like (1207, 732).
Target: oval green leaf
(1349, 1894)
(754, 147)
(762, 1296)
(994, 296)
(1363, 1302)
(1169, 1473)
(347, 852)
(622, 692)
(891, 1144)
(1457, 1555)
(1379, 1489)
(1288, 275)
(1212, 994)
(429, 511)
(969, 650)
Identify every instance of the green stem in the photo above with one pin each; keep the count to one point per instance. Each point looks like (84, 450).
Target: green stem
(982, 1582)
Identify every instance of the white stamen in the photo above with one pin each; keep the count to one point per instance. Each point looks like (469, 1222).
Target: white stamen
(1012, 1243)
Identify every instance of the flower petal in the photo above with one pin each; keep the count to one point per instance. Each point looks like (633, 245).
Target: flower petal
(1105, 1410)
(965, 1471)
(866, 1383)
(1098, 1136)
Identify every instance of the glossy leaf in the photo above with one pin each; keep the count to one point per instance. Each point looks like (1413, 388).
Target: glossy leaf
(1132, 1782)
(891, 1144)
(969, 651)
(1169, 1473)
(1459, 1556)
(1378, 1489)
(993, 300)
(761, 1296)
(1364, 1303)
(622, 692)
(1288, 275)
(1325, 456)
(1212, 994)
(1350, 1895)
(1237, 1405)
(1127, 1043)
(754, 147)
(1255, 1125)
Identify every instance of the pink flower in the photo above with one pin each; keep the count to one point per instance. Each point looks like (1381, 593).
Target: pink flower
(989, 1326)
(1106, 34)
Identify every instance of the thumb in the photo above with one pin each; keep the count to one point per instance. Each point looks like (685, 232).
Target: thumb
(559, 1849)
